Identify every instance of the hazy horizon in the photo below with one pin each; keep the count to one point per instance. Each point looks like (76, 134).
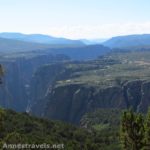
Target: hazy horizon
(84, 19)
(71, 38)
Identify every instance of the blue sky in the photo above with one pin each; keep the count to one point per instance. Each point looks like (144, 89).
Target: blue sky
(76, 18)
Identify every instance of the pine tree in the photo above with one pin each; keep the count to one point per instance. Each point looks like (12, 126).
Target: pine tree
(147, 130)
(132, 131)
(2, 117)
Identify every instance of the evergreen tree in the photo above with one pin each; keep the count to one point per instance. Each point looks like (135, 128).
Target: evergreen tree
(132, 131)
(147, 130)
(2, 117)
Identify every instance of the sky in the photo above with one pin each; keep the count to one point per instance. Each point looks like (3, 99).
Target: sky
(76, 19)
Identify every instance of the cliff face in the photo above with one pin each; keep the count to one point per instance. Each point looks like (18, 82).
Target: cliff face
(70, 102)
(145, 97)
(68, 91)
(16, 92)
(15, 89)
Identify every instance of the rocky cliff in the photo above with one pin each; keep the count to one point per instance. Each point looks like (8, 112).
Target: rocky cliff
(65, 90)
(15, 89)
(70, 102)
(103, 83)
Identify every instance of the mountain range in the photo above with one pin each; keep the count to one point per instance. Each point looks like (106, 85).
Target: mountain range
(39, 38)
(19, 41)
(137, 41)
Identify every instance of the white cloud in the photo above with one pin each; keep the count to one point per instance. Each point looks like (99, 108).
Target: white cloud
(101, 31)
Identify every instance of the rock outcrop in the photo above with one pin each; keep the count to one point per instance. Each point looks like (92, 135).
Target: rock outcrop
(68, 91)
(15, 90)
(70, 102)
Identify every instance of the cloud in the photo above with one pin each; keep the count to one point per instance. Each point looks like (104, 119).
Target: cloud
(101, 31)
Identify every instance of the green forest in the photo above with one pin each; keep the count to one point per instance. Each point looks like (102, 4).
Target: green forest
(133, 132)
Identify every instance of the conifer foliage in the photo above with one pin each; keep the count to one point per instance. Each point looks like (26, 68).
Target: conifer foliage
(135, 131)
(147, 131)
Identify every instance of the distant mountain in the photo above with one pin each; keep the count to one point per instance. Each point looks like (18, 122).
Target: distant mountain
(77, 52)
(10, 45)
(15, 45)
(130, 41)
(82, 53)
(93, 41)
(39, 38)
